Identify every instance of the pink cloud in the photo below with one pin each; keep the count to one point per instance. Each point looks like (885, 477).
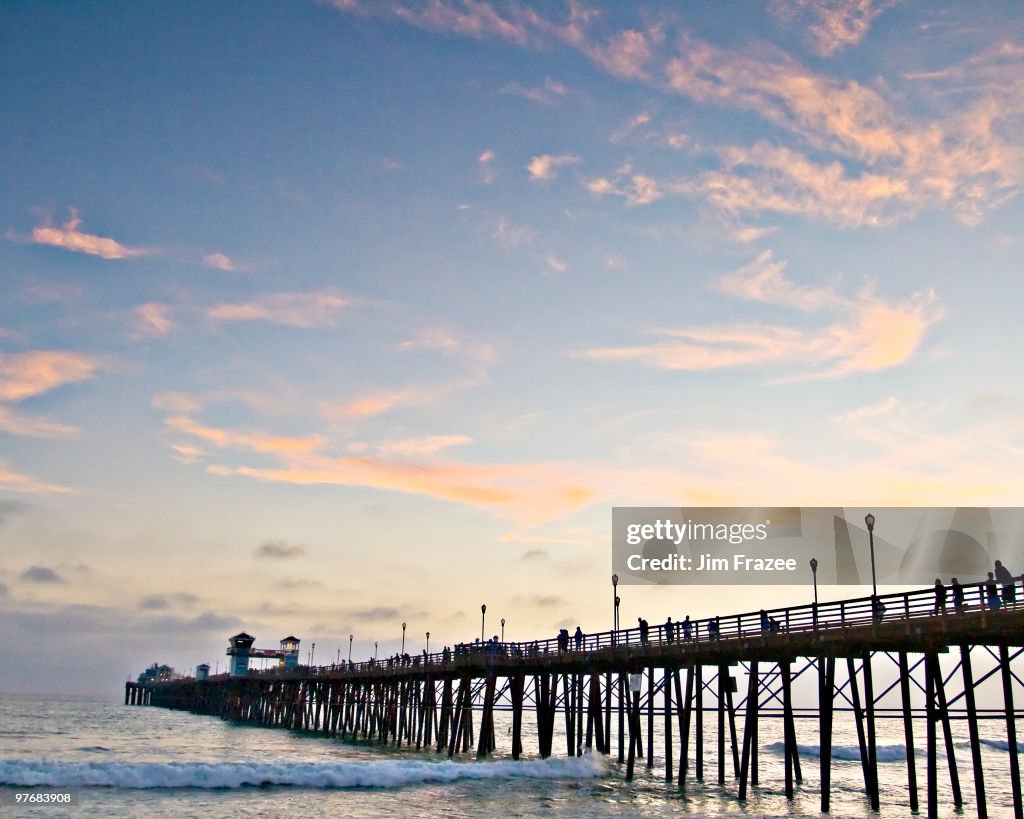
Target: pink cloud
(865, 333)
(24, 375)
(304, 310)
(69, 237)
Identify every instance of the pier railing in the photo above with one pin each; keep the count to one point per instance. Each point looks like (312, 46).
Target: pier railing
(811, 617)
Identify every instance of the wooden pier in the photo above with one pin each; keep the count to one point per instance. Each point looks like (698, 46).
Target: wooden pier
(896, 657)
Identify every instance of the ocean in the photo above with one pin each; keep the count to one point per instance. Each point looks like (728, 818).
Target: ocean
(148, 762)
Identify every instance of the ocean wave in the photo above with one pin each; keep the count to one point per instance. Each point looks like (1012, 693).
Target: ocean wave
(1000, 744)
(883, 753)
(376, 774)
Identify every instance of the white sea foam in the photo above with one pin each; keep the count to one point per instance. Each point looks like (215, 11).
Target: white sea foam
(375, 774)
(883, 753)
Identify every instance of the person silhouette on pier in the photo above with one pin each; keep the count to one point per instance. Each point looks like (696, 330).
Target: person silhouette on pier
(958, 595)
(940, 597)
(578, 637)
(645, 630)
(992, 592)
(1009, 587)
(713, 628)
(687, 628)
(670, 630)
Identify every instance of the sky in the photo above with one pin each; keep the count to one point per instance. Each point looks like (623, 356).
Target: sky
(323, 317)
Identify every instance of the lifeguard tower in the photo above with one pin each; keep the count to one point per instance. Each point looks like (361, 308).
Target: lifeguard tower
(202, 672)
(289, 653)
(240, 650)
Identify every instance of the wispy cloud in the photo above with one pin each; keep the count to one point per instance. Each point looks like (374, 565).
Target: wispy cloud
(422, 445)
(12, 481)
(551, 540)
(509, 234)
(551, 93)
(635, 188)
(293, 309)
(15, 422)
(863, 155)
(151, 320)
(279, 550)
(450, 343)
(555, 264)
(219, 261)
(543, 166)
(831, 25)
(866, 333)
(24, 375)
(69, 237)
(41, 574)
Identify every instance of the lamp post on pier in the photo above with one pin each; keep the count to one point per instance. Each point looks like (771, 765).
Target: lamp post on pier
(312, 653)
(503, 629)
(483, 620)
(350, 648)
(337, 661)
(428, 643)
(615, 608)
(374, 649)
(869, 521)
(403, 638)
(814, 575)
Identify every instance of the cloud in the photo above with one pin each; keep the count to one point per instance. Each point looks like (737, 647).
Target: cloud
(627, 54)
(534, 555)
(635, 188)
(12, 481)
(304, 310)
(871, 154)
(563, 541)
(33, 426)
(509, 234)
(178, 402)
(448, 342)
(866, 333)
(219, 261)
(485, 157)
(25, 375)
(748, 233)
(151, 319)
(28, 375)
(832, 25)
(551, 93)
(69, 237)
(421, 445)
(159, 602)
(526, 492)
(41, 574)
(556, 264)
(543, 166)
(382, 401)
(8, 509)
(377, 613)
(279, 550)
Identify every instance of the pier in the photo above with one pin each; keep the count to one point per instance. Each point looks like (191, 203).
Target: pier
(903, 657)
